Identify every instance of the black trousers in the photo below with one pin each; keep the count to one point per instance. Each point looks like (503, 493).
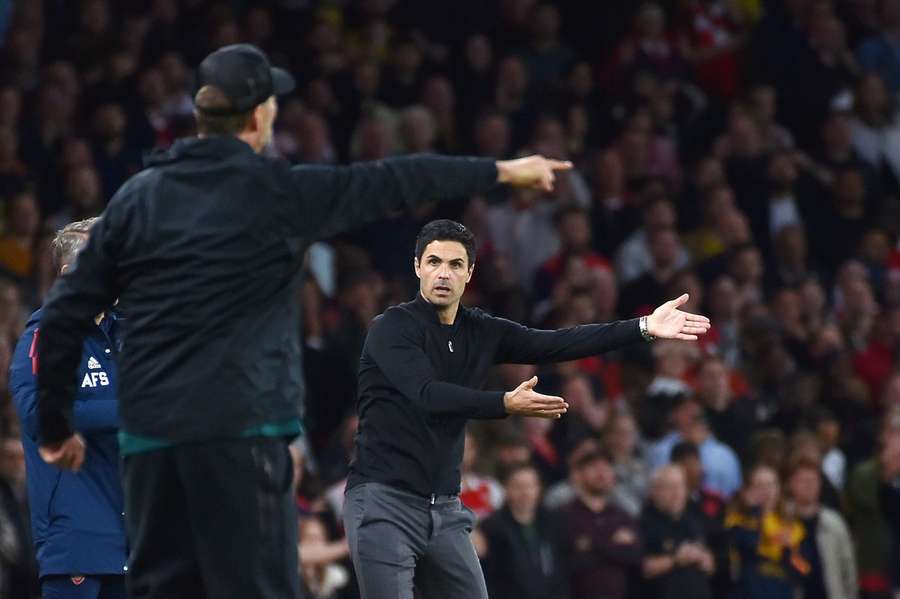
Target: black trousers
(212, 520)
(400, 541)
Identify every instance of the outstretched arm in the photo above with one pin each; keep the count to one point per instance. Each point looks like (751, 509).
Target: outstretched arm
(522, 345)
(344, 197)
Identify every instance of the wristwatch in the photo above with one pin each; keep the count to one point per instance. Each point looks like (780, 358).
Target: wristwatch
(645, 331)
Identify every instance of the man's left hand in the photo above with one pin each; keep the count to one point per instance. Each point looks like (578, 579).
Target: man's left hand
(67, 454)
(668, 322)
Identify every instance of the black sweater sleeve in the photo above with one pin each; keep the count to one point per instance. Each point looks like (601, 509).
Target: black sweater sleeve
(395, 344)
(342, 197)
(68, 316)
(519, 344)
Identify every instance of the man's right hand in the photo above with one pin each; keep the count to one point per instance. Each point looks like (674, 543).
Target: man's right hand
(67, 454)
(525, 401)
(534, 172)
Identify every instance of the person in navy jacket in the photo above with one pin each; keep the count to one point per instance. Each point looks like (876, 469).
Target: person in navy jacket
(76, 517)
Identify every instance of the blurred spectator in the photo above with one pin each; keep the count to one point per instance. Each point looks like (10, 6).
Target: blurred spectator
(878, 53)
(649, 289)
(868, 487)
(731, 419)
(623, 441)
(722, 470)
(602, 541)
(321, 576)
(481, 494)
(523, 544)
(676, 560)
(85, 197)
(708, 508)
(116, 158)
(635, 256)
(574, 232)
(522, 229)
(834, 462)
(765, 539)
(876, 133)
(21, 229)
(710, 35)
(613, 212)
(826, 543)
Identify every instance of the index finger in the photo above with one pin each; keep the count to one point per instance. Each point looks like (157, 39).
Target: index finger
(559, 165)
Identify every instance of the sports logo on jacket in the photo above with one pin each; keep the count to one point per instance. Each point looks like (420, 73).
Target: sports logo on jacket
(94, 378)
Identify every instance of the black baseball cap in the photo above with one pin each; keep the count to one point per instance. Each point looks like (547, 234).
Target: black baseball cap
(243, 73)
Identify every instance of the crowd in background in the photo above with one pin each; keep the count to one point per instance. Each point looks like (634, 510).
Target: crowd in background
(744, 151)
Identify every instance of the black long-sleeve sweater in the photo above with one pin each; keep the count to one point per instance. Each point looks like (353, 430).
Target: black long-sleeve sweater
(419, 382)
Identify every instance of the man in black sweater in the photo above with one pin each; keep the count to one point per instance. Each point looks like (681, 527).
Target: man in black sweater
(420, 370)
(204, 251)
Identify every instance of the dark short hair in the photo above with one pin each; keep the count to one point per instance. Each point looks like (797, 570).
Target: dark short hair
(507, 472)
(682, 450)
(446, 230)
(601, 455)
(211, 98)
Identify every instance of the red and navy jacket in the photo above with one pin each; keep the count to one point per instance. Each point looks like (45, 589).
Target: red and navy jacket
(77, 519)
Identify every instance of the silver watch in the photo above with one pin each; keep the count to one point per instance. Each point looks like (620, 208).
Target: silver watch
(645, 331)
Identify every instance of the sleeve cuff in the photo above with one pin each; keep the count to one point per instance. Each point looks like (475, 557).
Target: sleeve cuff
(493, 405)
(487, 173)
(633, 327)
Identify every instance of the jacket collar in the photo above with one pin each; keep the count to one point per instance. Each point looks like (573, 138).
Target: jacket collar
(421, 305)
(214, 146)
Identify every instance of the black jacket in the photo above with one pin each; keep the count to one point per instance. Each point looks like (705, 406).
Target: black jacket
(203, 250)
(419, 382)
(525, 562)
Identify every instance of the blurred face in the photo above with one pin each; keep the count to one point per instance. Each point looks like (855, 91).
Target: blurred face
(685, 415)
(748, 266)
(724, 301)
(443, 272)
(109, 121)
(660, 215)
(850, 190)
(714, 380)
(805, 486)
(670, 491)
(622, 435)
(523, 490)
(478, 52)
(782, 171)
(609, 171)
(664, 248)
(764, 488)
(596, 478)
(838, 133)
(492, 136)
(575, 231)
(512, 76)
(24, 216)
(84, 188)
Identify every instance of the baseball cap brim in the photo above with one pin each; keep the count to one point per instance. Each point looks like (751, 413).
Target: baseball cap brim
(282, 82)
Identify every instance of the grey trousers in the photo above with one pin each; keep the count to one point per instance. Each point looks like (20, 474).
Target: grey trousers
(399, 541)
